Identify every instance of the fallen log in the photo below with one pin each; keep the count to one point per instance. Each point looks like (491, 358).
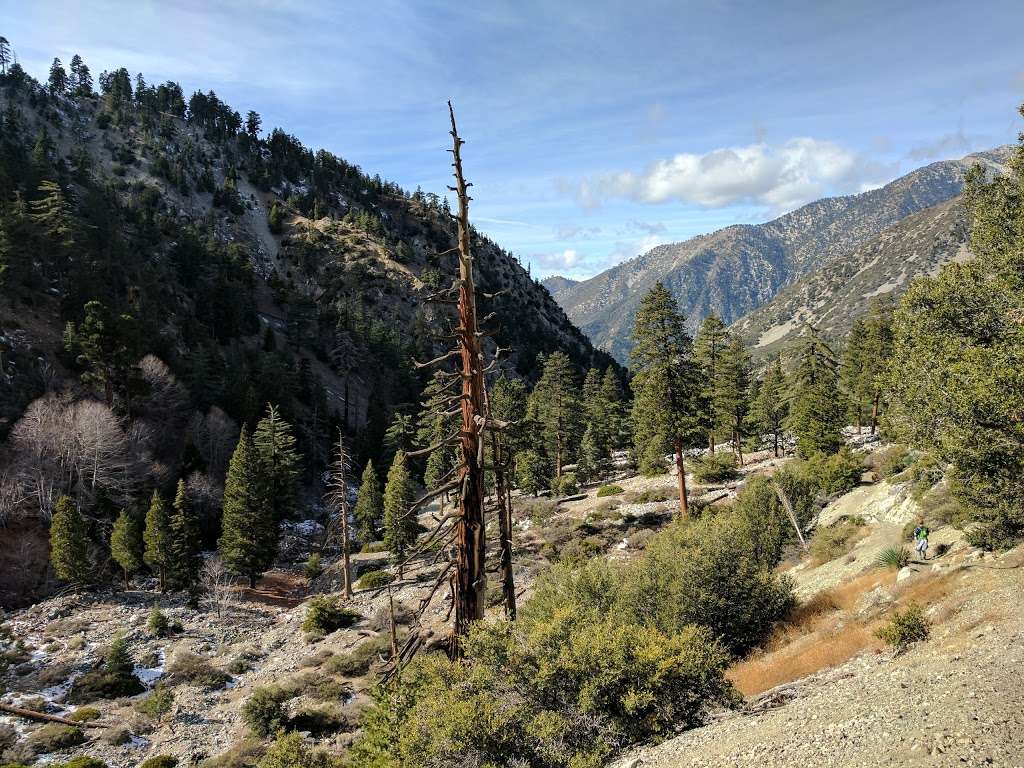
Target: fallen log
(31, 714)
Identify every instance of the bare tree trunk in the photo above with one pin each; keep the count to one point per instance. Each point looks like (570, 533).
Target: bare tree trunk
(503, 497)
(470, 542)
(394, 634)
(31, 714)
(684, 509)
(739, 447)
(874, 411)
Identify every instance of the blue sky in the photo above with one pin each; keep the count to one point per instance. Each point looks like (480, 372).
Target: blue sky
(595, 129)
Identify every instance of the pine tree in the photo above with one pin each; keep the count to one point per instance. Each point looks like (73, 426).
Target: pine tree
(5, 55)
(668, 386)
(879, 352)
(558, 410)
(708, 346)
(278, 464)
(400, 436)
(817, 410)
(58, 79)
(126, 544)
(399, 525)
(186, 543)
(436, 423)
(732, 391)
(69, 543)
(369, 505)
(249, 529)
(158, 538)
(770, 406)
(615, 403)
(531, 472)
(853, 371)
(591, 457)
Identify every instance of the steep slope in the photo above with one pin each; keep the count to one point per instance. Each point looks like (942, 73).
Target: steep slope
(556, 284)
(831, 296)
(737, 269)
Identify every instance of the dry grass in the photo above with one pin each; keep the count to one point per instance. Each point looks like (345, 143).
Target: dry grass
(807, 655)
(849, 594)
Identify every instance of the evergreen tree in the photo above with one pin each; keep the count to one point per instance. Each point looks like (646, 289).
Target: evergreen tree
(853, 374)
(400, 436)
(69, 543)
(732, 391)
(126, 544)
(80, 79)
(708, 347)
(615, 403)
(249, 528)
(400, 525)
(591, 458)
(531, 472)
(668, 386)
(879, 352)
(5, 55)
(278, 464)
(158, 538)
(186, 544)
(436, 423)
(770, 406)
(817, 411)
(337, 498)
(252, 125)
(57, 82)
(369, 505)
(558, 410)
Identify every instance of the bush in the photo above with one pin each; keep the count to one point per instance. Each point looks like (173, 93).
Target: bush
(835, 540)
(81, 761)
(53, 737)
(84, 715)
(714, 468)
(113, 679)
(320, 720)
(836, 474)
(893, 557)
(359, 660)
(160, 761)
(566, 485)
(264, 711)
(372, 547)
(291, 751)
(187, 667)
(157, 622)
(893, 460)
(158, 703)
(312, 568)
(325, 614)
(608, 490)
(374, 579)
(905, 628)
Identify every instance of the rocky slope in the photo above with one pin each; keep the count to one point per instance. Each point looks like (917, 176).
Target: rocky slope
(556, 284)
(737, 269)
(831, 296)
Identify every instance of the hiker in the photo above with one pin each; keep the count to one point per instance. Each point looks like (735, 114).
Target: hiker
(921, 537)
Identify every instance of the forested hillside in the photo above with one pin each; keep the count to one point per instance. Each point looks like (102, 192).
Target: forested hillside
(170, 268)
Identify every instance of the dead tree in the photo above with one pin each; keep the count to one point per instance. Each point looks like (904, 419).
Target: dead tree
(337, 498)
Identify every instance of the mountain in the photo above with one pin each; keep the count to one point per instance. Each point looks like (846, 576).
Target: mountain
(735, 270)
(556, 284)
(831, 296)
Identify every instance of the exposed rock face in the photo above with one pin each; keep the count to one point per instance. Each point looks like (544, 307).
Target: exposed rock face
(737, 269)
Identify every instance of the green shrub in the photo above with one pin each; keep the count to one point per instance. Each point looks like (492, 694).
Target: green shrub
(893, 557)
(835, 540)
(291, 751)
(372, 547)
(608, 490)
(84, 715)
(113, 679)
(837, 473)
(160, 761)
(239, 665)
(312, 568)
(53, 737)
(714, 468)
(81, 761)
(320, 720)
(157, 622)
(648, 495)
(325, 614)
(158, 703)
(264, 711)
(375, 579)
(893, 460)
(905, 628)
(187, 667)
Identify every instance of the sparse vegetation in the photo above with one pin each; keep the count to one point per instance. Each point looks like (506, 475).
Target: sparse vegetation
(325, 614)
(893, 558)
(158, 703)
(374, 579)
(836, 540)
(718, 467)
(609, 490)
(905, 628)
(264, 711)
(191, 668)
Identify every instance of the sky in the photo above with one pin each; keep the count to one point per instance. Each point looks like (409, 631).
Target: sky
(595, 130)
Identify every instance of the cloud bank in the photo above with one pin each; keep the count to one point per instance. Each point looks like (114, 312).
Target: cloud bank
(781, 177)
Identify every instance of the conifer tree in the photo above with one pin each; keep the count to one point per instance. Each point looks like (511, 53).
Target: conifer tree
(615, 403)
(591, 457)
(186, 543)
(597, 413)
(508, 400)
(817, 410)
(770, 406)
(557, 404)
(531, 472)
(437, 422)
(669, 391)
(732, 391)
(126, 544)
(69, 543)
(158, 538)
(249, 529)
(57, 82)
(708, 346)
(399, 525)
(879, 352)
(854, 373)
(369, 505)
(278, 464)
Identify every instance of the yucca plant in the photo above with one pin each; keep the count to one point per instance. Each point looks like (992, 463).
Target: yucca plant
(893, 557)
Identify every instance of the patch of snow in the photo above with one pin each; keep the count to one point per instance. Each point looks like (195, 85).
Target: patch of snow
(149, 675)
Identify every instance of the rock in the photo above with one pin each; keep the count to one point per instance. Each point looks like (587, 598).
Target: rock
(905, 573)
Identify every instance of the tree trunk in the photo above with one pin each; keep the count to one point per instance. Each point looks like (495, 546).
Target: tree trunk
(470, 580)
(31, 714)
(775, 443)
(874, 412)
(125, 570)
(252, 581)
(684, 509)
(739, 447)
(163, 579)
(711, 442)
(503, 497)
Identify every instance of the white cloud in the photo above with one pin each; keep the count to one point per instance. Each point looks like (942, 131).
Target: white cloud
(566, 259)
(781, 178)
